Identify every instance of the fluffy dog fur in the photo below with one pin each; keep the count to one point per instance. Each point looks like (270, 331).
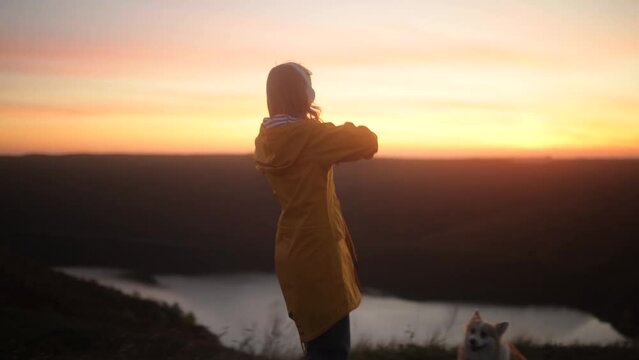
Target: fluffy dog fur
(484, 341)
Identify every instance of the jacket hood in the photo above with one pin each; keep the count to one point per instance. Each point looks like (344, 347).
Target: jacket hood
(279, 147)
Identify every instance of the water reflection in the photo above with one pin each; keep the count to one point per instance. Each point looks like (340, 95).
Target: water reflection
(248, 312)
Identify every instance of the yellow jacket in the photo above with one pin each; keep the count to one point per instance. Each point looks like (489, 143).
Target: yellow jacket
(314, 253)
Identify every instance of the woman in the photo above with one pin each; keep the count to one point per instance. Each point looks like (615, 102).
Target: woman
(314, 254)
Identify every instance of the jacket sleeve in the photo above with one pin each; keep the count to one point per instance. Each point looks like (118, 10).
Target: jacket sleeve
(331, 144)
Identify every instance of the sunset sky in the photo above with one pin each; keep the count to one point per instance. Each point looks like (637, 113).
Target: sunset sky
(460, 78)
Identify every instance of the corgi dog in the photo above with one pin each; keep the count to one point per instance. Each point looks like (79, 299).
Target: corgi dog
(484, 341)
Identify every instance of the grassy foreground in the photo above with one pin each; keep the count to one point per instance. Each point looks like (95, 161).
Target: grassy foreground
(48, 315)
(532, 352)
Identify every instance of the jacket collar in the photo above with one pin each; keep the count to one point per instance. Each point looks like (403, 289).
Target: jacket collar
(278, 120)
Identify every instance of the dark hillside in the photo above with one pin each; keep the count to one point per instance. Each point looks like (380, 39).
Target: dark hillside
(559, 232)
(48, 315)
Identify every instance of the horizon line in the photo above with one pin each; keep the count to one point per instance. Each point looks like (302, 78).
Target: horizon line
(385, 157)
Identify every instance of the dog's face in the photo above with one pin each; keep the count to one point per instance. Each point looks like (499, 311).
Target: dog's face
(482, 336)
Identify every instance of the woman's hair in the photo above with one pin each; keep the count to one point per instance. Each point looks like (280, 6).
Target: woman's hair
(286, 92)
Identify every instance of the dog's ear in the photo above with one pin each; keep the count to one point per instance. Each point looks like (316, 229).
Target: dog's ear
(476, 315)
(501, 328)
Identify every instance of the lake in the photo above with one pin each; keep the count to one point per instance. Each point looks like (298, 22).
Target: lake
(247, 312)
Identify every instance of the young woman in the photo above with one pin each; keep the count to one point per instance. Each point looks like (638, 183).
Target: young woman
(314, 254)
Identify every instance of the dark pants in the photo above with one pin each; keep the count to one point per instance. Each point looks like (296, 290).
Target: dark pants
(334, 344)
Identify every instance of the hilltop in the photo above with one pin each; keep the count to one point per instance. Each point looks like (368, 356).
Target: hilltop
(49, 315)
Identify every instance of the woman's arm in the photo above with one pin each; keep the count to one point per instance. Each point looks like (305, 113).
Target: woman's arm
(332, 144)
